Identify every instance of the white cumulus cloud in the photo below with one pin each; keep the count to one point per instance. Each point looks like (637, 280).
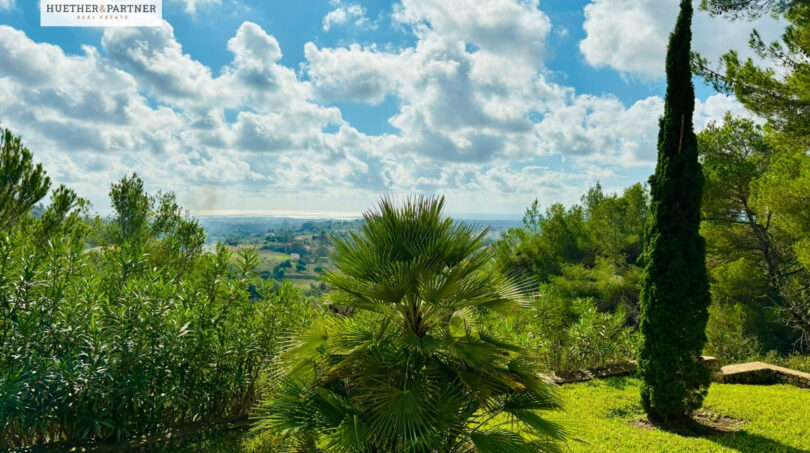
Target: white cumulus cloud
(344, 13)
(477, 114)
(631, 35)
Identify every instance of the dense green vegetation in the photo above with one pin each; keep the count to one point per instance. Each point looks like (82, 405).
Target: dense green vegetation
(771, 168)
(780, 96)
(584, 260)
(675, 288)
(411, 331)
(758, 183)
(412, 369)
(757, 230)
(142, 332)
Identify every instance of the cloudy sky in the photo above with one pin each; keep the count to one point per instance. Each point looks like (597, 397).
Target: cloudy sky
(323, 105)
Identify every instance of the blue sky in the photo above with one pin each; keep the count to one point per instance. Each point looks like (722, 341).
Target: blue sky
(322, 105)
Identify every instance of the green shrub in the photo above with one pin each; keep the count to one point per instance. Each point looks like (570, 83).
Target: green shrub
(569, 334)
(411, 370)
(141, 333)
(612, 288)
(728, 333)
(795, 361)
(599, 338)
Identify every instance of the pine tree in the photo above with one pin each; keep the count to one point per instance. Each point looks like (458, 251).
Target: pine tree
(22, 184)
(675, 293)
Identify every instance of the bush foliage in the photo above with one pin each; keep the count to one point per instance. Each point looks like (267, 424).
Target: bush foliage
(412, 369)
(142, 332)
(675, 288)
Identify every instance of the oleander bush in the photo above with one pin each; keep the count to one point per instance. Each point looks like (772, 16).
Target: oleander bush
(561, 334)
(142, 332)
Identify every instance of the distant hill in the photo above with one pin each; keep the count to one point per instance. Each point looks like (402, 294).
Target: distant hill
(239, 227)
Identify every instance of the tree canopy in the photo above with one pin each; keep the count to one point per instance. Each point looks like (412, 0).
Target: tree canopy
(675, 288)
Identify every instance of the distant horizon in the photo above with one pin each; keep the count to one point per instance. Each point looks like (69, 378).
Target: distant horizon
(335, 215)
(321, 214)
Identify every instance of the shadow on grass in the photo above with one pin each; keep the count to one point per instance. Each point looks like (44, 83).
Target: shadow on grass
(723, 431)
(746, 442)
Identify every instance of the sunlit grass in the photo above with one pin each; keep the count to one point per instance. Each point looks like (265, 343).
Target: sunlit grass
(775, 421)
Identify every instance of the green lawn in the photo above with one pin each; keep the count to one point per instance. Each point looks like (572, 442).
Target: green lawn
(775, 419)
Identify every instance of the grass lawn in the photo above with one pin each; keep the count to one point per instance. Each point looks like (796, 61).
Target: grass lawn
(773, 419)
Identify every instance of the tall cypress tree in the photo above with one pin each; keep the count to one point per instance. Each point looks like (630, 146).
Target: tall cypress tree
(675, 292)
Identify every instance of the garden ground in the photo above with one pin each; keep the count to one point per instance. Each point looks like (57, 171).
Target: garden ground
(773, 419)
(606, 416)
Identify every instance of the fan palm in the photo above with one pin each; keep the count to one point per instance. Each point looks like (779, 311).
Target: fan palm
(411, 370)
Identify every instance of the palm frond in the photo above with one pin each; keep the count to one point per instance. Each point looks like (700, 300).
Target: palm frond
(411, 370)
